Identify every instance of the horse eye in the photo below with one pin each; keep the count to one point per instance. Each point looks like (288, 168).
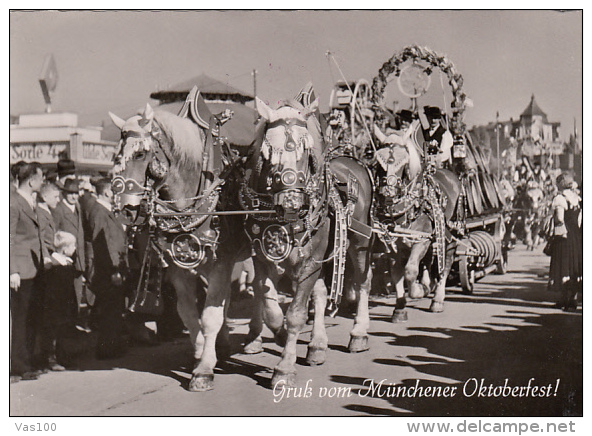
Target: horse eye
(140, 155)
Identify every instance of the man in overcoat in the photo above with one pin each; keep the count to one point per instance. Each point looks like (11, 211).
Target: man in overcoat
(107, 282)
(68, 218)
(26, 265)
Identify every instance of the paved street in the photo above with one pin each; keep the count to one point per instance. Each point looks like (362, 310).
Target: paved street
(507, 330)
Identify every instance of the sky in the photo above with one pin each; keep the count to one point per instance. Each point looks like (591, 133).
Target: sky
(113, 60)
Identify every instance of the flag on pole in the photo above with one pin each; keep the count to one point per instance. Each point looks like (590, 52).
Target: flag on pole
(49, 77)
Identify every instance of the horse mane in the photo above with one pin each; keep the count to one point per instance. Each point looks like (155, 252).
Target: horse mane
(185, 139)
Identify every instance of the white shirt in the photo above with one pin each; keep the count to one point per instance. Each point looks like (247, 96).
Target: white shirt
(62, 259)
(72, 207)
(44, 207)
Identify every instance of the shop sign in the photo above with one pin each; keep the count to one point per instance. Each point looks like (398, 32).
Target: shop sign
(98, 153)
(42, 152)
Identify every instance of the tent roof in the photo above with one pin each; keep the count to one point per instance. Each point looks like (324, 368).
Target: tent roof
(240, 129)
(206, 85)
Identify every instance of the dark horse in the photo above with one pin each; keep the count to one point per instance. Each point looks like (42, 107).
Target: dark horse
(415, 206)
(167, 178)
(288, 172)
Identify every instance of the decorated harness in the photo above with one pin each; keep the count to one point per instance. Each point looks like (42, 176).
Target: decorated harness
(188, 236)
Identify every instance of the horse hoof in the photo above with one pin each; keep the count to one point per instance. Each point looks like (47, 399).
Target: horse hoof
(281, 378)
(357, 344)
(201, 383)
(281, 338)
(418, 291)
(315, 356)
(399, 315)
(254, 347)
(437, 306)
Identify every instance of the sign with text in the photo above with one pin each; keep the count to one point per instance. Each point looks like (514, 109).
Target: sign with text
(98, 153)
(42, 152)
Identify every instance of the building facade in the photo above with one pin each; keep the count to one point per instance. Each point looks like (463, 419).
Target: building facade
(46, 138)
(531, 136)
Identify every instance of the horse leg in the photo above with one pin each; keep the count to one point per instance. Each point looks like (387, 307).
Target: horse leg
(254, 341)
(528, 234)
(212, 320)
(440, 293)
(359, 335)
(273, 315)
(185, 284)
(397, 276)
(418, 251)
(317, 347)
(285, 372)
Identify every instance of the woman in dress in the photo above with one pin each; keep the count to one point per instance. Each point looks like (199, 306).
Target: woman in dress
(565, 274)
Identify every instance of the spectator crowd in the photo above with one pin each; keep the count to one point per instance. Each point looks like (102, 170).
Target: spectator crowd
(68, 263)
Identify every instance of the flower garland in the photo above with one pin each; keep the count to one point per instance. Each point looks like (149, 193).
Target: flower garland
(415, 52)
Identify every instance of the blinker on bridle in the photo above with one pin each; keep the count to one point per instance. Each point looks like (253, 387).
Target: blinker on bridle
(290, 144)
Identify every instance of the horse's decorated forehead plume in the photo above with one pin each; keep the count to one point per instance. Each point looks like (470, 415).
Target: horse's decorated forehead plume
(287, 129)
(135, 136)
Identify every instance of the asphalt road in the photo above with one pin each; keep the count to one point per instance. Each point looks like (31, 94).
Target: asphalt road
(483, 356)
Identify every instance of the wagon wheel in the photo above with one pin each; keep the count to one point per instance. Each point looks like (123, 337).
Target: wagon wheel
(467, 275)
(361, 116)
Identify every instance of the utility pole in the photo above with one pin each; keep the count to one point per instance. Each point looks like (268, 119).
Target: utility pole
(254, 74)
(499, 163)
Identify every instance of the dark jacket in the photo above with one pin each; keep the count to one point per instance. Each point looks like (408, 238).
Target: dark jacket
(70, 222)
(109, 245)
(25, 239)
(48, 230)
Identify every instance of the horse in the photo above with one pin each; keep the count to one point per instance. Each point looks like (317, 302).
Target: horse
(415, 206)
(287, 172)
(529, 211)
(168, 178)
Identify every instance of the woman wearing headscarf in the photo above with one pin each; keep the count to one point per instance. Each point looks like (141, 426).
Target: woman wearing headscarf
(565, 273)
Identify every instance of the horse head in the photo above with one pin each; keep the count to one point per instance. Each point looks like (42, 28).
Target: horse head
(158, 152)
(398, 160)
(290, 153)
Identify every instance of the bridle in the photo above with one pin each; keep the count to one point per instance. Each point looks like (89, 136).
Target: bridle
(298, 194)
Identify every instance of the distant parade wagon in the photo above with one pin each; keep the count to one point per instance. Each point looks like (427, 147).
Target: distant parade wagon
(357, 105)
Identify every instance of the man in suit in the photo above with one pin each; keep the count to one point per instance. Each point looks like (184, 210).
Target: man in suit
(68, 218)
(88, 198)
(26, 264)
(48, 199)
(107, 282)
(438, 139)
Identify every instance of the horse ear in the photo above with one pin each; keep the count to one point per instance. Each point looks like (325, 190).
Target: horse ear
(313, 106)
(379, 135)
(147, 117)
(116, 120)
(264, 110)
